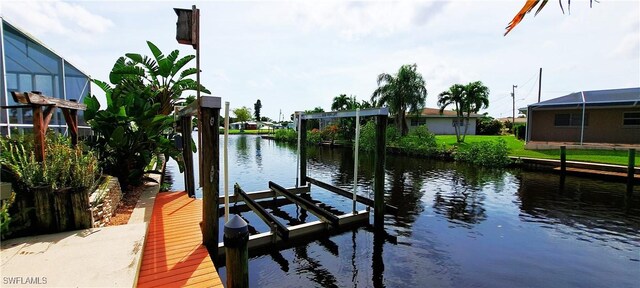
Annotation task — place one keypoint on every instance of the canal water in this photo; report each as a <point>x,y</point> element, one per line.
<point>458,226</point>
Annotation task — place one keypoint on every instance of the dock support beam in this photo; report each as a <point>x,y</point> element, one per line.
<point>303,153</point>
<point>631,171</point>
<point>187,155</point>
<point>210,171</point>
<point>378,184</point>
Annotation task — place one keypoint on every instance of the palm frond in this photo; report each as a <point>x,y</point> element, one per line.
<point>180,63</point>
<point>528,6</point>
<point>187,72</point>
<point>155,50</point>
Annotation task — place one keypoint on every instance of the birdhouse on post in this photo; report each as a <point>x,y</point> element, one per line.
<point>187,26</point>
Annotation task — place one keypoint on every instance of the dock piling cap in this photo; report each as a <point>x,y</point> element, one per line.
<point>235,227</point>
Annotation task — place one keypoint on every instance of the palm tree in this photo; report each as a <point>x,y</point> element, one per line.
<point>454,96</point>
<point>162,73</point>
<point>344,102</point>
<point>476,97</point>
<point>528,7</point>
<point>401,92</point>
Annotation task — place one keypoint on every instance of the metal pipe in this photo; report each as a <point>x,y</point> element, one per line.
<point>226,161</point>
<point>298,154</point>
<point>355,160</point>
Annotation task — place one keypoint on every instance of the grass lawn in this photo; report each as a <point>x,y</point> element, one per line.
<point>516,148</point>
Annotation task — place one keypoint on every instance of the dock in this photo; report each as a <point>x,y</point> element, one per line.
<point>173,254</point>
<point>610,172</point>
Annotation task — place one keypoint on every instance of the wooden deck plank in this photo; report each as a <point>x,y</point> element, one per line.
<point>173,255</point>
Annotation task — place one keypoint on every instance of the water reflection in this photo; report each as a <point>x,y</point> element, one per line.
<point>258,143</point>
<point>588,207</point>
<point>241,148</point>
<point>462,201</point>
<point>458,226</point>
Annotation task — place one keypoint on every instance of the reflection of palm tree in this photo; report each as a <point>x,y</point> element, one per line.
<point>241,146</point>
<point>405,191</point>
<point>464,202</point>
<point>319,274</point>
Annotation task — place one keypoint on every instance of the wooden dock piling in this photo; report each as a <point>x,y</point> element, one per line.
<point>563,159</point>
<point>236,239</point>
<point>210,113</point>
<point>631,171</point>
<point>189,186</point>
<point>378,184</point>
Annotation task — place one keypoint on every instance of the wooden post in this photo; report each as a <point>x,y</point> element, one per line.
<point>563,159</point>
<point>71,117</point>
<point>211,176</point>
<point>187,155</point>
<point>236,238</point>
<point>303,152</point>
<point>378,184</point>
<point>38,133</point>
<point>631,170</point>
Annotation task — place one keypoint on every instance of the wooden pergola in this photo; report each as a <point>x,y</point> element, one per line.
<point>43,108</point>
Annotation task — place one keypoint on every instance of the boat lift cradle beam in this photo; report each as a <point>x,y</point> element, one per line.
<point>364,200</point>
<point>273,223</point>
<point>326,216</point>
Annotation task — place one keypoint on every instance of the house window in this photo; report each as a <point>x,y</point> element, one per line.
<point>631,119</point>
<point>570,119</point>
<point>418,121</point>
<point>456,122</point>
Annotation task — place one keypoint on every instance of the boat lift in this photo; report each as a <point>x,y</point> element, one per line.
<point>329,221</point>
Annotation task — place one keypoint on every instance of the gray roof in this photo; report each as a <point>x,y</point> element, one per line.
<point>611,97</point>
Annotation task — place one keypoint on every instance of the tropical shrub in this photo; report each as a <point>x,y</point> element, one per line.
<point>129,131</point>
<point>488,126</point>
<point>314,137</point>
<point>520,131</point>
<point>135,124</point>
<point>419,141</point>
<point>65,166</point>
<point>164,75</point>
<point>329,133</point>
<point>368,137</point>
<point>286,135</point>
<point>487,153</point>
<point>5,218</point>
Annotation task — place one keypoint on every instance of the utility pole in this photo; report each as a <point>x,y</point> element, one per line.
<point>540,85</point>
<point>513,95</point>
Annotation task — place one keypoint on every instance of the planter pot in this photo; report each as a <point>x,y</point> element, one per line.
<point>45,220</point>
<point>22,212</point>
<point>62,209</point>
<point>79,201</point>
<point>72,209</point>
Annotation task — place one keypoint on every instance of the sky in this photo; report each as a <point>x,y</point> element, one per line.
<point>297,55</point>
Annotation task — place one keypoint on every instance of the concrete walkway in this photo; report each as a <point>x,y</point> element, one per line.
<point>96,257</point>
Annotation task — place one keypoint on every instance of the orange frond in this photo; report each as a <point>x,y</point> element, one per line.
<point>528,6</point>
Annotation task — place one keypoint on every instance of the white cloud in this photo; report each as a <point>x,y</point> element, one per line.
<point>357,19</point>
<point>58,17</point>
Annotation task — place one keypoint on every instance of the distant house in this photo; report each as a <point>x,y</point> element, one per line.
<point>518,120</point>
<point>601,116</point>
<point>442,124</point>
<point>251,125</point>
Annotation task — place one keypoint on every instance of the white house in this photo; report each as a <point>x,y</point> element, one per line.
<point>441,123</point>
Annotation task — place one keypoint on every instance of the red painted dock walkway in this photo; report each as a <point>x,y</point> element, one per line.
<point>173,254</point>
